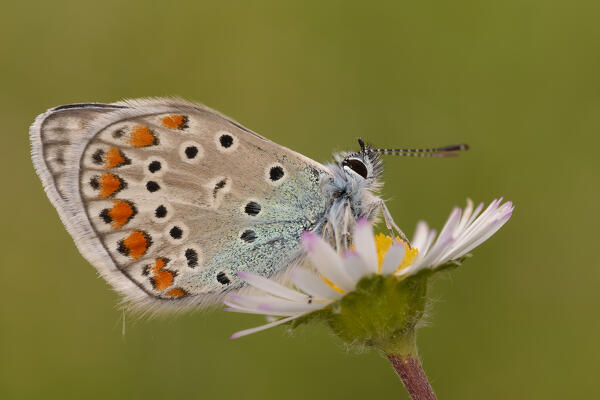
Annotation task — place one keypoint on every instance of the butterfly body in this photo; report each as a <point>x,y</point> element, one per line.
<point>170,199</point>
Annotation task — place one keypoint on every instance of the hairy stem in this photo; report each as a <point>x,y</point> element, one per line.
<point>409,369</point>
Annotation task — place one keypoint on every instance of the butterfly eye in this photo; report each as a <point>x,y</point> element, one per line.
<point>357,166</point>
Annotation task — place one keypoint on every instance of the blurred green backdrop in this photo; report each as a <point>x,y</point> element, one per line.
<point>518,80</point>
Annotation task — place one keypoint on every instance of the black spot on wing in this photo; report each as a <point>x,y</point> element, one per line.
<point>154,166</point>
<point>160,212</point>
<point>94,182</point>
<point>118,133</point>
<point>191,152</point>
<point>152,186</point>
<point>248,236</point>
<point>252,208</point>
<point>276,173</point>
<point>176,232</point>
<point>226,141</point>
<point>98,157</point>
<point>223,279</point>
<point>192,258</point>
<point>219,185</point>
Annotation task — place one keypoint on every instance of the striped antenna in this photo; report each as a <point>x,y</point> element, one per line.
<point>446,151</point>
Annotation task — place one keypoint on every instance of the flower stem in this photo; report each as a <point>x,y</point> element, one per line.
<point>409,369</point>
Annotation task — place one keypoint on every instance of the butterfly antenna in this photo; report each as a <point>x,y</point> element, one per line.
<point>361,144</point>
<point>446,151</point>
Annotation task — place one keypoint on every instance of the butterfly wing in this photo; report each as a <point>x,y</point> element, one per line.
<point>170,199</point>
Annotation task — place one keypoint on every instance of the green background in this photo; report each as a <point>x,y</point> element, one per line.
<point>518,80</point>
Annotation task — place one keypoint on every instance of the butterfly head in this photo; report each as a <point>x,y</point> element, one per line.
<point>365,163</point>
<point>362,169</point>
<point>354,174</point>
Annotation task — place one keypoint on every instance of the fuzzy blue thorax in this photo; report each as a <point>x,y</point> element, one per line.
<point>352,187</point>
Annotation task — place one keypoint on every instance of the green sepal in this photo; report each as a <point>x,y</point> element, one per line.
<point>381,312</point>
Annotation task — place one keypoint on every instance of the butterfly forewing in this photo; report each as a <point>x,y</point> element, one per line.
<point>170,199</point>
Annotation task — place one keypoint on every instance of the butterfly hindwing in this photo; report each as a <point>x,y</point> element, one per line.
<point>170,199</point>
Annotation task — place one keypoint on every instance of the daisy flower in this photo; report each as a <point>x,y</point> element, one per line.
<point>374,295</point>
<point>342,280</point>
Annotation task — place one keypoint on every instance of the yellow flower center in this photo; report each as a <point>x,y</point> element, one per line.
<point>383,244</point>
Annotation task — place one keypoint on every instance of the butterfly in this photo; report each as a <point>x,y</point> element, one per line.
<point>170,199</point>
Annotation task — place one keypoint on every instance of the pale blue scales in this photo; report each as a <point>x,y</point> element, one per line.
<point>295,206</point>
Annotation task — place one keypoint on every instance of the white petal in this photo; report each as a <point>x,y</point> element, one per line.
<point>364,242</point>
<point>475,214</point>
<point>420,236</point>
<point>479,226</point>
<point>483,218</point>
<point>326,261</point>
<point>393,258</point>
<point>238,309</point>
<point>429,242</point>
<point>289,307</point>
<point>268,304</point>
<point>247,302</point>
<point>313,285</point>
<point>484,233</point>
<point>451,225</point>
<point>468,233</point>
<point>419,264</point>
<point>271,287</point>
<point>466,216</point>
<point>266,326</point>
<point>355,266</point>
<point>445,238</point>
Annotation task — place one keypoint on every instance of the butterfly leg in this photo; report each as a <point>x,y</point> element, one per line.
<point>346,238</point>
<point>390,224</point>
<point>328,233</point>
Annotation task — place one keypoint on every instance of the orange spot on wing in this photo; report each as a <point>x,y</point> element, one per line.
<point>141,136</point>
<point>159,264</point>
<point>121,213</point>
<point>114,158</point>
<point>175,121</point>
<point>109,185</point>
<point>137,243</point>
<point>162,280</point>
<point>176,293</point>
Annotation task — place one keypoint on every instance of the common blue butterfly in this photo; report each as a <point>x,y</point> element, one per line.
<point>170,199</point>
